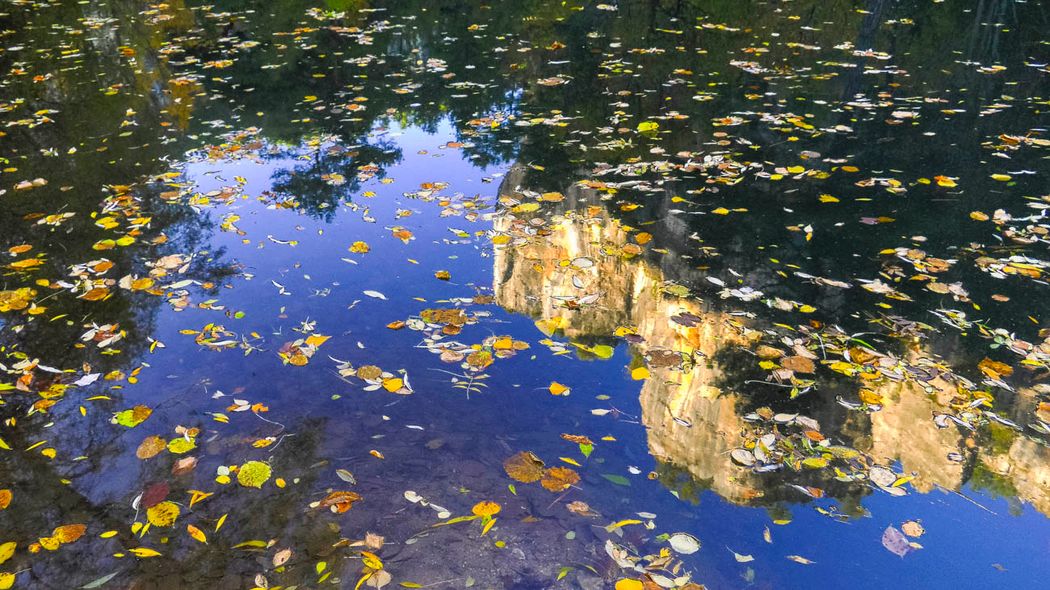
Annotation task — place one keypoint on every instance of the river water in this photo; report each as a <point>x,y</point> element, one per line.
<point>453,294</point>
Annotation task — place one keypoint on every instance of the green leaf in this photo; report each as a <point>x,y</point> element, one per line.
<point>617,479</point>
<point>132,417</point>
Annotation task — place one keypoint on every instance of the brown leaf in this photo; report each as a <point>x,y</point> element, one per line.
<point>525,467</point>
<point>995,369</point>
<point>151,447</point>
<point>578,439</point>
<point>68,533</point>
<point>340,502</point>
<point>912,529</point>
<point>558,479</point>
<point>798,364</point>
<point>184,466</point>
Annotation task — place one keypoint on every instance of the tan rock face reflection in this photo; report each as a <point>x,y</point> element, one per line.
<point>694,416</point>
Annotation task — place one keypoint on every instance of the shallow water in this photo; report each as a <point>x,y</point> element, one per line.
<point>762,278</point>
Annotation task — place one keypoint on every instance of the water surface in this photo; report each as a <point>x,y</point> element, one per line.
<point>524,294</point>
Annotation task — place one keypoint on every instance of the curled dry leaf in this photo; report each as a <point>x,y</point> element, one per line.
<point>374,541</point>
<point>340,502</point>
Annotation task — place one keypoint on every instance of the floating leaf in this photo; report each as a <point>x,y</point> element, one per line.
<point>684,543</point>
<point>196,533</point>
<point>163,514</point>
<point>181,445</point>
<point>99,582</point>
<point>7,550</point>
<point>253,474</point>
<point>281,557</point>
<point>132,417</point>
<point>913,529</point>
<point>485,508</point>
<point>150,447</point>
<point>524,467</point>
<point>339,502</point>
<point>69,533</point>
<point>895,542</point>
<point>558,479</point>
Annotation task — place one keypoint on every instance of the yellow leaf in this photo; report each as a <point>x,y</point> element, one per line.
<point>393,384</point>
<point>488,525</point>
<point>558,389</point>
<point>144,552</point>
<point>196,533</point>
<point>181,445</point>
<point>68,533</point>
<point>6,580</point>
<point>253,474</point>
<point>163,514</point>
<point>7,550</point>
<point>197,496</point>
<point>815,462</point>
<point>640,373</point>
<point>371,560</point>
<point>486,508</point>
<point>629,584</point>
